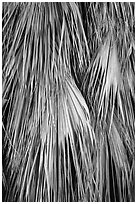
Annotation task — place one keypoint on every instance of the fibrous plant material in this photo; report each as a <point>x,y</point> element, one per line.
<point>68,101</point>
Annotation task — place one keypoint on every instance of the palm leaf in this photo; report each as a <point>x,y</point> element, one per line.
<point>109,88</point>
<point>68,101</point>
<point>48,117</point>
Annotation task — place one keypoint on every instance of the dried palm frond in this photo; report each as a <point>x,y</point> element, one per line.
<point>68,101</point>
<point>110,91</point>
<point>48,119</point>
